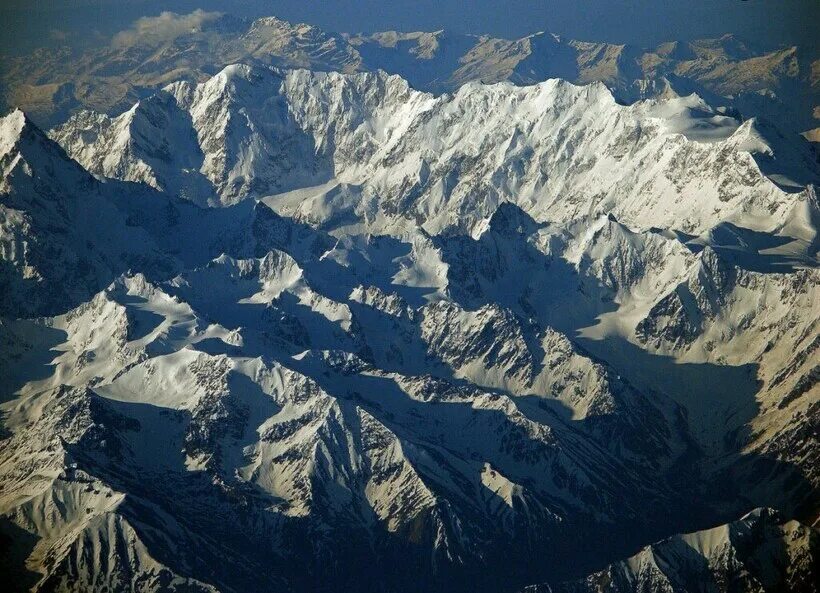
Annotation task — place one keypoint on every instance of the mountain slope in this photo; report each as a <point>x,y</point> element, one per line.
<point>557,150</point>
<point>759,552</point>
<point>53,249</point>
<point>317,331</point>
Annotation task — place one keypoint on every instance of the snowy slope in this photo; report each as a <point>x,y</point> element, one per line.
<point>557,150</point>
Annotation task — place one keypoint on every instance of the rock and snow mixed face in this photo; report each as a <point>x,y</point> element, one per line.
<point>557,150</point>
<point>297,320</point>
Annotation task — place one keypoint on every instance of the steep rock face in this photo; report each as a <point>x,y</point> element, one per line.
<point>722,302</point>
<point>108,553</point>
<point>153,143</point>
<point>314,454</point>
<point>486,345</point>
<point>730,315</point>
<point>44,492</point>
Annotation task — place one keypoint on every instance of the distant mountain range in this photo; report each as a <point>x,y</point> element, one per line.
<point>782,85</point>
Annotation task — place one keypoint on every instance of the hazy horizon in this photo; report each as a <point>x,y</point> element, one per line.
<point>769,23</point>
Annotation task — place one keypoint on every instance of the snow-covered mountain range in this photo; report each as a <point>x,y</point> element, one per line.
<point>288,330</point>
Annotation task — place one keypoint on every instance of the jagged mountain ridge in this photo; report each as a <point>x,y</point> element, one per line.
<point>780,84</point>
<point>318,366</point>
<point>557,150</point>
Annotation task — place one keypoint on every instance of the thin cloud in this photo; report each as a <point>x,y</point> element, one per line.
<point>166,26</point>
